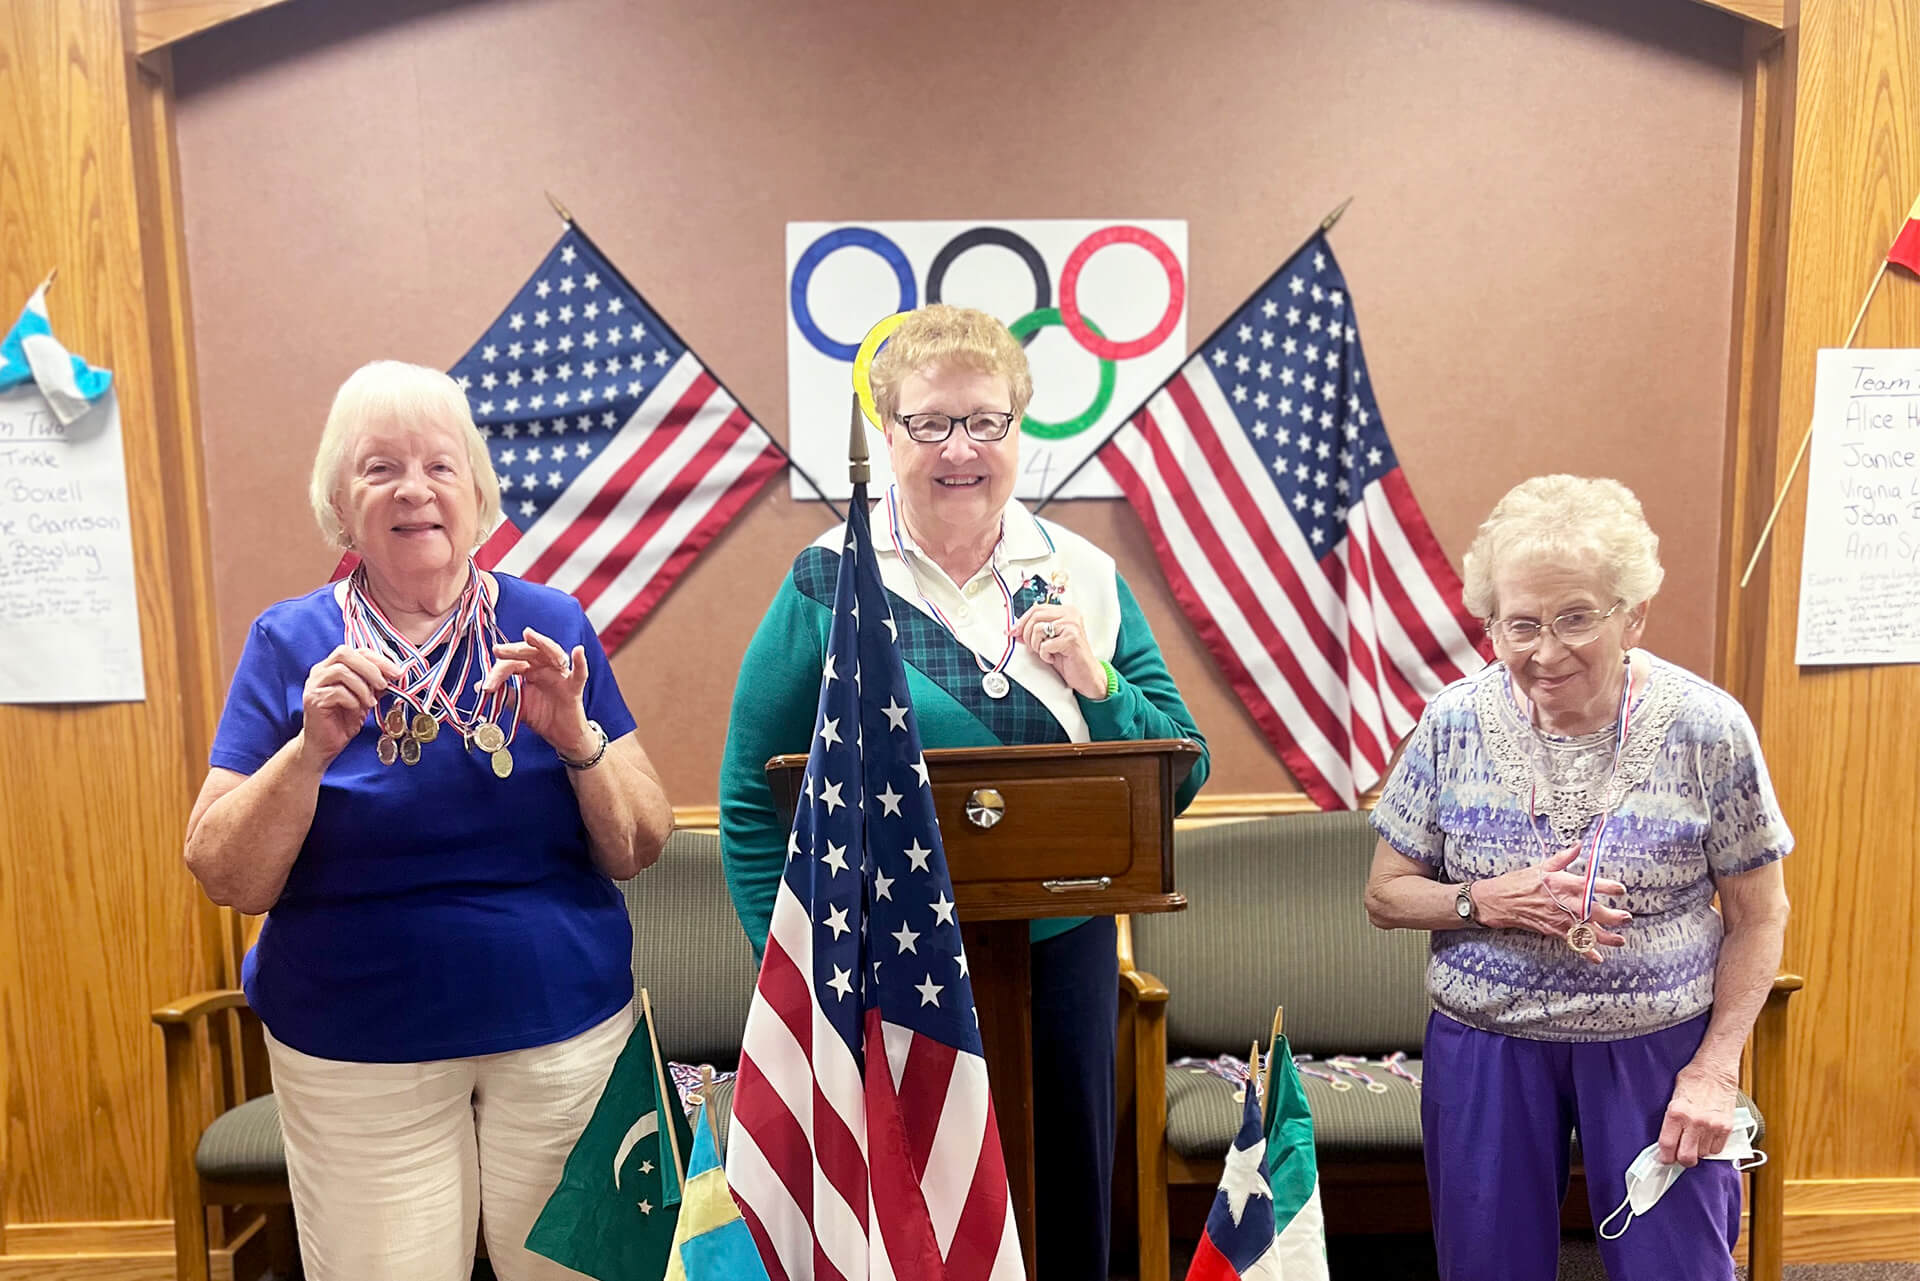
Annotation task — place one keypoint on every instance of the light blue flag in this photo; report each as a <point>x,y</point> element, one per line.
<point>711,1241</point>
<point>30,353</point>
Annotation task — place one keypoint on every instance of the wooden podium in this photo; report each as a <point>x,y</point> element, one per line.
<point>1081,829</point>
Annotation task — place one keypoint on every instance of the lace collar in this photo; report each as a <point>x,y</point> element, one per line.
<point>1571,776</point>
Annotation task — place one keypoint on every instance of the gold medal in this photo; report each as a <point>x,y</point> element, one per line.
<point>425,728</point>
<point>410,750</point>
<point>502,760</point>
<point>388,751</point>
<point>488,738</point>
<point>1582,937</point>
<point>395,722</point>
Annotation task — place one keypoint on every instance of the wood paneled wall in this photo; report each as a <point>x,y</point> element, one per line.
<point>1832,164</point>
<point>99,922</point>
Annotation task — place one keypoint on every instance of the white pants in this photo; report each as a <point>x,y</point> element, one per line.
<point>392,1164</point>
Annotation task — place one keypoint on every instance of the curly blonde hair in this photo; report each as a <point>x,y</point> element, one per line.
<point>395,391</point>
<point>1586,522</point>
<point>938,335</point>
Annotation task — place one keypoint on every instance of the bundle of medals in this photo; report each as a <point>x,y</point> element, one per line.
<point>421,700</point>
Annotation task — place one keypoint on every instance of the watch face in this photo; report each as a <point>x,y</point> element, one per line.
<point>1463,907</point>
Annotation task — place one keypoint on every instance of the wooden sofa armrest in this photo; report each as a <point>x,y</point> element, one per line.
<point>1142,1097</point>
<point>190,1009</point>
<point>1769,1082</point>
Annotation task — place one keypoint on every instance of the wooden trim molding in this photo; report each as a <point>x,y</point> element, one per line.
<point>1764,13</point>
<point>1205,809</point>
<point>158,23</point>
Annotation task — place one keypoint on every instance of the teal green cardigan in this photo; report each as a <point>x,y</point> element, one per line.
<point>773,713</point>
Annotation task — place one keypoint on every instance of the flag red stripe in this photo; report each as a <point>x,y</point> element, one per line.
<point>602,504</point>
<point>837,1153</point>
<point>1439,570</point>
<point>923,1093</point>
<point>1386,581</point>
<point>899,1203</point>
<point>718,517</point>
<point>1228,569</point>
<point>1298,763</point>
<point>983,1220</point>
<point>1906,247</point>
<point>1360,550</point>
<point>769,1258</point>
<point>1230,481</point>
<point>665,503</point>
<point>1209,1264</point>
<point>777,1132</point>
<point>1366,656</point>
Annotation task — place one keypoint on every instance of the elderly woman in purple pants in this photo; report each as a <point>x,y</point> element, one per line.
<point>1562,821</point>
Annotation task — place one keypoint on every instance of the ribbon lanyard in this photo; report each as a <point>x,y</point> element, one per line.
<point>1606,814</point>
<point>900,545</point>
<point>421,681</point>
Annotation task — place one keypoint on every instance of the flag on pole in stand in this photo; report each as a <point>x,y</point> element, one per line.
<point>711,1241</point>
<point>863,1144</point>
<point>620,455</point>
<point>612,1216</point>
<point>1906,245</point>
<point>1293,1170</point>
<point>1238,1243</point>
<point>1290,536</point>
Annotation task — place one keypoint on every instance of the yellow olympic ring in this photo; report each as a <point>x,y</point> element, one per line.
<point>863,366</point>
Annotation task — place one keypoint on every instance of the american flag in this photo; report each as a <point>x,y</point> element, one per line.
<point>1290,535</point>
<point>620,455</point>
<point>863,1144</point>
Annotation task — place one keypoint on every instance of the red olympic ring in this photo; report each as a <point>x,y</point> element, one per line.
<point>1076,324</point>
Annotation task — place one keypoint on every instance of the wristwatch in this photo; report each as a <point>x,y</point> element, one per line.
<point>1463,905</point>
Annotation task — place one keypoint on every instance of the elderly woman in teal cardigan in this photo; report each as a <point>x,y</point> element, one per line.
<point>1014,630</point>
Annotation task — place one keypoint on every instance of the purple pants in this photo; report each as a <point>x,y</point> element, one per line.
<point>1497,1112</point>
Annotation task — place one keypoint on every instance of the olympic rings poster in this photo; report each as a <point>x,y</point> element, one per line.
<point>1101,305</point>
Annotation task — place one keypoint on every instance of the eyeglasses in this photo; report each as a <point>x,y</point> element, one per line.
<point>1575,627</point>
<point>931,429</point>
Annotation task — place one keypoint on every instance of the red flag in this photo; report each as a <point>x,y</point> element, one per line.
<point>1906,245</point>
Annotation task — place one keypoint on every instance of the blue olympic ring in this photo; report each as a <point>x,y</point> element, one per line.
<point>843,238</point>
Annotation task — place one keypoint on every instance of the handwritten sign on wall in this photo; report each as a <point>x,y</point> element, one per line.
<point>69,624</point>
<point>1860,568</point>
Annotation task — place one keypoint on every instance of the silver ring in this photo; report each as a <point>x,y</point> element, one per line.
<point>1046,630</point>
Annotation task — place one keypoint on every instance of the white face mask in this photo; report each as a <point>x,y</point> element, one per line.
<point>1649,1177</point>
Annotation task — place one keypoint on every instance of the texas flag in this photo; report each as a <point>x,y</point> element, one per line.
<point>1238,1244</point>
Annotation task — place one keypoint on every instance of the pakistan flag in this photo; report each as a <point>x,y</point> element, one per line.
<point>612,1217</point>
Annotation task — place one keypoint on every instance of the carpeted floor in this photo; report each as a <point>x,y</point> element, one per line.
<point>1411,1259</point>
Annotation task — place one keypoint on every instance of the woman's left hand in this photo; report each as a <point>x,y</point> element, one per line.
<point>1058,634</point>
<point>1699,1116</point>
<point>551,687</point>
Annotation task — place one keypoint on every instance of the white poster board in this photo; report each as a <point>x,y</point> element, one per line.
<point>69,622</point>
<point>1119,285</point>
<point>1860,568</point>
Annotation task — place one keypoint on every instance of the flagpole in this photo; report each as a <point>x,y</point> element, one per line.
<point>1807,439</point>
<point>660,1075</point>
<point>857,470</point>
<point>1326,225</point>
<point>568,218</point>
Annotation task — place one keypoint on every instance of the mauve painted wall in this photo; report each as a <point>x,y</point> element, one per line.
<point>1540,246</point>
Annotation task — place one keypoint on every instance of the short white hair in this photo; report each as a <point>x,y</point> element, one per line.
<point>1575,522</point>
<point>412,396</point>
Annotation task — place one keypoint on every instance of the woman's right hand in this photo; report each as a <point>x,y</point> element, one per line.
<point>1523,899</point>
<point>341,689</point>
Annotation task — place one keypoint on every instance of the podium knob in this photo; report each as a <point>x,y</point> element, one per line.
<point>985,807</point>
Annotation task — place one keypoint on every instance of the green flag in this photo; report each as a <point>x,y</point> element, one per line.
<point>612,1217</point>
<point>1300,1237</point>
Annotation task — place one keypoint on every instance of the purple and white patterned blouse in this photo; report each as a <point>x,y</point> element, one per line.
<point>1694,803</point>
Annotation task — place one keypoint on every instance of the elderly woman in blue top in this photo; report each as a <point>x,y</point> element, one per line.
<point>444,969</point>
<point>990,661</point>
<point>1562,821</point>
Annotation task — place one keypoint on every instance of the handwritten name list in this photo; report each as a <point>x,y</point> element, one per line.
<point>1860,568</point>
<point>69,623</point>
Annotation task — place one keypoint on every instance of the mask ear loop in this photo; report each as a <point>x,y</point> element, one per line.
<point>1759,1159</point>
<point>1600,1230</point>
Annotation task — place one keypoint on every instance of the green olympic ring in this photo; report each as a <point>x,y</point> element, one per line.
<point>1040,319</point>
